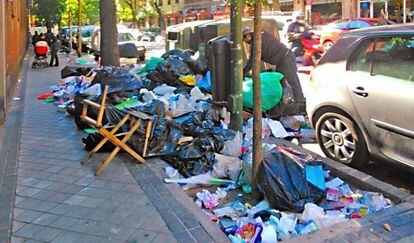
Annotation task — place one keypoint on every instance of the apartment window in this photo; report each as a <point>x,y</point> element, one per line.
<point>169,2</point>
<point>177,1</point>
<point>160,2</point>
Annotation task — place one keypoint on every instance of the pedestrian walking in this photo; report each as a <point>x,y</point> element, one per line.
<point>54,47</point>
<point>276,53</point>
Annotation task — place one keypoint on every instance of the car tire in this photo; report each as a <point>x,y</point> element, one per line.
<point>327,44</point>
<point>341,139</point>
<point>142,58</point>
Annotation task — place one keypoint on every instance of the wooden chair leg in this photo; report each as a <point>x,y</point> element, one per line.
<point>147,135</point>
<point>107,161</point>
<point>122,144</point>
<point>102,143</point>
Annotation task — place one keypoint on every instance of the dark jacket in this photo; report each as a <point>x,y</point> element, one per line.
<point>273,51</point>
<point>35,39</point>
<point>52,41</point>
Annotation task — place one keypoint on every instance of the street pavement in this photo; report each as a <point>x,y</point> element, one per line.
<point>59,200</point>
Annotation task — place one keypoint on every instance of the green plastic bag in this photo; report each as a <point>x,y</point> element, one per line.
<point>49,100</point>
<point>129,102</point>
<point>151,64</point>
<point>272,90</point>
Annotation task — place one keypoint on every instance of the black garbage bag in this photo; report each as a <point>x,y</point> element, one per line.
<point>68,71</point>
<point>123,83</point>
<point>128,50</point>
<point>83,71</point>
<point>226,134</point>
<point>116,81</point>
<point>154,107</point>
<point>75,110</point>
<point>174,66</point>
<point>282,180</point>
<point>195,157</point>
<point>199,66</point>
<point>178,53</point>
<point>196,123</point>
<point>101,74</point>
<point>94,139</point>
<point>164,136</point>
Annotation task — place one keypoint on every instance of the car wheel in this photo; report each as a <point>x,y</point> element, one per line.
<point>142,58</point>
<point>341,139</point>
<point>327,44</point>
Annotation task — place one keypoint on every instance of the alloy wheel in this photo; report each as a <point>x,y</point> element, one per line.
<point>337,139</point>
<point>327,45</point>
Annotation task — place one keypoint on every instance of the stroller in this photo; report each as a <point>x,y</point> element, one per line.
<point>40,59</point>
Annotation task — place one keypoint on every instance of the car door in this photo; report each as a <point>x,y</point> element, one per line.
<point>381,85</point>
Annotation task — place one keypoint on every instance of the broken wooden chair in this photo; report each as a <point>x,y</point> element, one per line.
<point>133,120</point>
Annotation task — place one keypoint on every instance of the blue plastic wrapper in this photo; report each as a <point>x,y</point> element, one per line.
<point>205,82</point>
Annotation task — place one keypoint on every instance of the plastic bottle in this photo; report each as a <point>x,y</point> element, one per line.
<point>307,227</point>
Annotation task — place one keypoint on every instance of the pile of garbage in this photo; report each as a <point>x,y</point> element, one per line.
<point>191,134</point>
<point>300,197</point>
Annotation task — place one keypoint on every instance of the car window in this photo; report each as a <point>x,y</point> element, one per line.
<point>394,57</point>
<point>357,24</point>
<point>87,32</point>
<point>341,24</point>
<point>125,37</point>
<point>379,22</point>
<point>362,57</point>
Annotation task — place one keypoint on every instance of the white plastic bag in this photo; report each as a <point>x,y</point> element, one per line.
<point>233,147</point>
<point>227,166</point>
<point>93,90</point>
<point>181,106</point>
<point>197,94</point>
<point>164,89</point>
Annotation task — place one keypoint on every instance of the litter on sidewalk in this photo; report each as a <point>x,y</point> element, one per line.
<point>214,163</point>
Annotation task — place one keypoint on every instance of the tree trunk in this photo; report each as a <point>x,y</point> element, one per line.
<point>161,20</point>
<point>257,93</point>
<point>109,33</point>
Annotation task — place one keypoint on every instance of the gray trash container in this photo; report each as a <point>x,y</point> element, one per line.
<point>218,55</point>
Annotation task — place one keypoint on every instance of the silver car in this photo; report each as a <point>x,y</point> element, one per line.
<point>363,102</point>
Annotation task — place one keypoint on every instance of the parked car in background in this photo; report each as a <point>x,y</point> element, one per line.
<point>65,34</point>
<point>136,33</point>
<point>150,34</point>
<point>124,37</point>
<point>364,100</point>
<point>331,33</point>
<point>87,32</point>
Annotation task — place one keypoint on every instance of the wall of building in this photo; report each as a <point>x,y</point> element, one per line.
<point>16,40</point>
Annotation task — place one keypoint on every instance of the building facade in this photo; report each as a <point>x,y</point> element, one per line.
<point>324,11</point>
<point>13,45</point>
<point>179,11</point>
